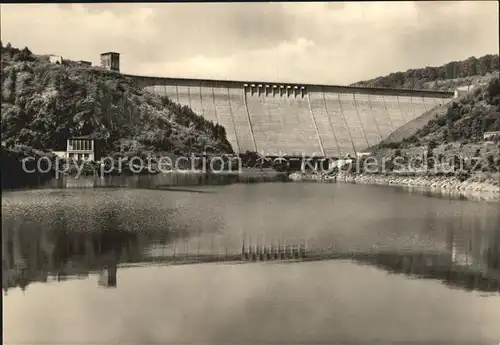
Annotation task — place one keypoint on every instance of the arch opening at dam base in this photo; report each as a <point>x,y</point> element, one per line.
<point>277,119</point>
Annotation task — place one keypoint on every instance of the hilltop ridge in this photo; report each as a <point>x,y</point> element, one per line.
<point>472,71</point>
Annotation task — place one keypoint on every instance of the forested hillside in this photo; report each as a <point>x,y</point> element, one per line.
<point>44,103</point>
<point>446,78</point>
<point>468,118</point>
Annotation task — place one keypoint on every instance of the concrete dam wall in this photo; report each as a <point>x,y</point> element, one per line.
<point>320,120</point>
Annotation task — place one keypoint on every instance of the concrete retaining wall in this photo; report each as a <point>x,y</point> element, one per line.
<point>275,119</point>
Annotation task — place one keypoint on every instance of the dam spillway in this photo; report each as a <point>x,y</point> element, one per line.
<point>296,119</point>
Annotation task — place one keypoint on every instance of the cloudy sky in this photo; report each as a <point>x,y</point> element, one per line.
<point>336,43</point>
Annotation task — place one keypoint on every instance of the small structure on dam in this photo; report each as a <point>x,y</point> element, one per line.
<point>84,63</point>
<point>111,61</point>
<point>56,59</point>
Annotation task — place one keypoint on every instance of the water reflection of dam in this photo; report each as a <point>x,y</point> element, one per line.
<point>468,262</point>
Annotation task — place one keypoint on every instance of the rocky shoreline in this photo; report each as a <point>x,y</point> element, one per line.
<point>479,183</point>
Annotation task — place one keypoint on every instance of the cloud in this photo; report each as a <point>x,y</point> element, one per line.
<point>259,64</point>
<point>303,42</point>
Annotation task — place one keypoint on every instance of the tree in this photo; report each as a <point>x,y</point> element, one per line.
<point>389,166</point>
<point>491,163</point>
<point>430,159</point>
<point>432,145</point>
<point>493,91</point>
<point>452,114</point>
<point>25,54</point>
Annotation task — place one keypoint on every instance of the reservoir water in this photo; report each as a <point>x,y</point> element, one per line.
<point>102,265</point>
